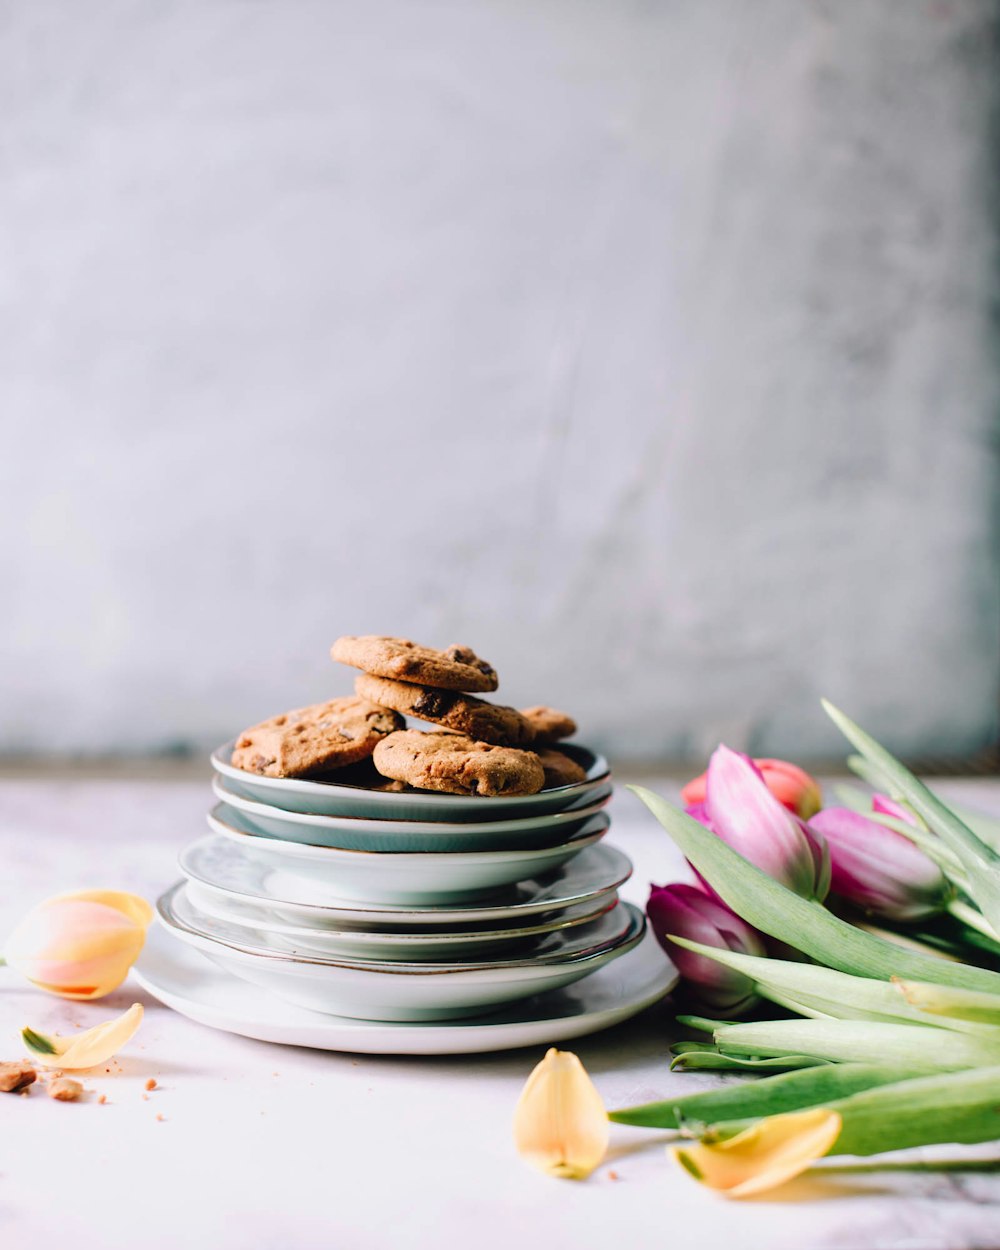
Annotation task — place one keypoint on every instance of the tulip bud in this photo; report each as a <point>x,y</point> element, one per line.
<point>80,945</point>
<point>879,869</point>
<point>687,912</point>
<point>560,1124</point>
<point>748,817</point>
<point>792,786</point>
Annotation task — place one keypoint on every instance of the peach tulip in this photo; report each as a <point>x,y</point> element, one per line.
<point>560,1125</point>
<point>792,786</point>
<point>80,945</point>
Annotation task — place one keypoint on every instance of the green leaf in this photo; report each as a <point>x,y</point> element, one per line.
<point>801,923</point>
<point>771,1095</point>
<point>37,1042</point>
<point>919,1048</point>
<point>979,860</point>
<point>947,1002</point>
<point>924,1111</point>
<point>711,1059</point>
<point>809,989</point>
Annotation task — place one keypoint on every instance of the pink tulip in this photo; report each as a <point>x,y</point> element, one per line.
<point>685,911</point>
<point>745,814</point>
<point>792,786</point>
<point>877,868</point>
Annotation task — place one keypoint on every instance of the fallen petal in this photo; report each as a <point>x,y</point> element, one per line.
<point>560,1124</point>
<point>84,1050</point>
<point>762,1157</point>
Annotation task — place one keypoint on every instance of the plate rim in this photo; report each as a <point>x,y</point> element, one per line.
<point>476,1035</point>
<point>219,759</point>
<point>429,828</point>
<point>444,913</point>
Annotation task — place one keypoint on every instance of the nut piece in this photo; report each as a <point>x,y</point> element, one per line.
<point>65,1089</point>
<point>16,1075</point>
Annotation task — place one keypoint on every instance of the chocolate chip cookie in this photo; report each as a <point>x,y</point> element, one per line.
<point>464,713</point>
<point>457,764</point>
<point>548,724</point>
<point>314,739</point>
<point>398,659</point>
<point>560,770</point>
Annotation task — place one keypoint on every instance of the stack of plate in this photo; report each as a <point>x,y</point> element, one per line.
<point>407,906</point>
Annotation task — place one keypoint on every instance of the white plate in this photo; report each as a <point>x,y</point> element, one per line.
<point>428,944</point>
<point>192,985</point>
<point>594,873</point>
<point>328,798</point>
<point>412,991</point>
<point>425,878</point>
<point>357,834</point>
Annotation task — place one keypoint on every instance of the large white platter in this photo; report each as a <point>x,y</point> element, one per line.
<point>328,798</point>
<point>189,983</point>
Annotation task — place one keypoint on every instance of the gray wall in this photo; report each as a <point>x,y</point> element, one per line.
<point>646,347</point>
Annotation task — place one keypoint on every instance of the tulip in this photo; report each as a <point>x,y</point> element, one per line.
<point>878,869</point>
<point>684,911</point>
<point>791,786</point>
<point>748,818</point>
<point>80,945</point>
<point>560,1124</point>
<point>765,1155</point>
<point>84,1050</point>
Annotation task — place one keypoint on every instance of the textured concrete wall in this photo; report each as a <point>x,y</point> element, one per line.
<point>644,346</point>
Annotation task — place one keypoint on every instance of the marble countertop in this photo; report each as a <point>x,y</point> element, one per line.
<point>252,1146</point>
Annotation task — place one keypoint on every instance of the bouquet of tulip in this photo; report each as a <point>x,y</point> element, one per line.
<point>889,991</point>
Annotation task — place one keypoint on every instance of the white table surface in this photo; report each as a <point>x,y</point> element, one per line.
<point>264,1147</point>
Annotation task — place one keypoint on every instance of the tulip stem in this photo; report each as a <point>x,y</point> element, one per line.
<point>973,918</point>
<point>3,962</point>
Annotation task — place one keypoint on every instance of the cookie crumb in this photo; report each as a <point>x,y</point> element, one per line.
<point>103,1099</point>
<point>151,1083</point>
<point>65,1089</point>
<point>160,1118</point>
<point>16,1075</point>
<point>613,1175</point>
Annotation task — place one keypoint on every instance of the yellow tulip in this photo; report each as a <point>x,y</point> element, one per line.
<point>560,1124</point>
<point>80,945</point>
<point>768,1154</point>
<point>84,1050</point>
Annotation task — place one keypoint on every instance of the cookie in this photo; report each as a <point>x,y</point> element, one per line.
<point>456,764</point>
<point>464,713</point>
<point>398,659</point>
<point>314,739</point>
<point>548,724</point>
<point>560,770</point>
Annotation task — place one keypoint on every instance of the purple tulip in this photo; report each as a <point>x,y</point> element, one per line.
<point>879,869</point>
<point>685,911</point>
<point>745,814</point>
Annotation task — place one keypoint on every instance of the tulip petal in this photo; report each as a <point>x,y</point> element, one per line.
<point>747,816</point>
<point>84,1050</point>
<point>769,1153</point>
<point>132,906</point>
<point>560,1124</point>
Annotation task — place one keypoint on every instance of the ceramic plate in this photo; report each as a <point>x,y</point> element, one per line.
<point>425,878</point>
<point>412,991</point>
<point>327,798</point>
<point>216,864</point>
<point>371,944</point>
<point>192,985</point>
<point>356,834</point>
